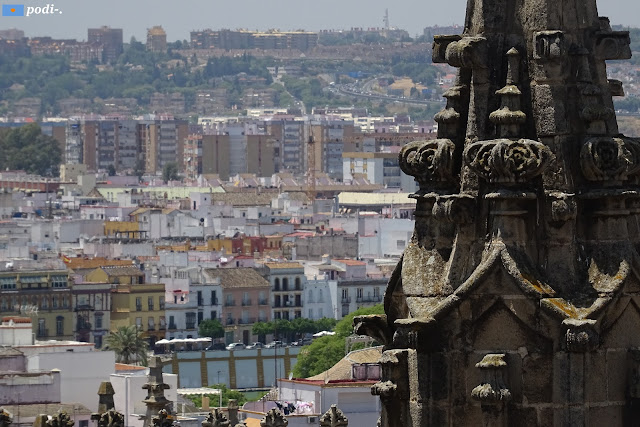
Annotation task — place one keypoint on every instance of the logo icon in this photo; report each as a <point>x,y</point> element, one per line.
<point>12,10</point>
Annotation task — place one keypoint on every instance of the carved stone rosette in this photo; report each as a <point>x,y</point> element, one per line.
<point>610,159</point>
<point>428,161</point>
<point>507,160</point>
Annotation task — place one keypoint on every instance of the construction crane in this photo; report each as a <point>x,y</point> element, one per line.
<point>311,169</point>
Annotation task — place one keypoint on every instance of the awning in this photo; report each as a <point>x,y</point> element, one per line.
<point>199,390</point>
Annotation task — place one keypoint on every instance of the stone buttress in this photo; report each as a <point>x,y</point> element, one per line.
<point>517,300</point>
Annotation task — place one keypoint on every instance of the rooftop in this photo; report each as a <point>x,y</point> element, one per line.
<point>238,278</point>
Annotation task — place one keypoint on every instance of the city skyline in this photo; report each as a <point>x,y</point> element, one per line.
<point>411,15</point>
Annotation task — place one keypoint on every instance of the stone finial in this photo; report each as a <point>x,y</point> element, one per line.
<point>41,421</point>
<point>580,335</point>
<point>163,419</point>
<point>5,418</point>
<point>60,419</point>
<point>105,401</point>
<point>274,418</point>
<point>216,418</point>
<point>232,410</point>
<point>334,417</point>
<point>110,418</point>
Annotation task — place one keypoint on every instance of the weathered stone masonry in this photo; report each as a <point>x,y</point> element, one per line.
<point>517,301</point>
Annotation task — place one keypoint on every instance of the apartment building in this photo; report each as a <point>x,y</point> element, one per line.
<point>110,39</point>
<point>156,39</point>
<point>245,300</point>
<point>45,295</point>
<point>287,281</point>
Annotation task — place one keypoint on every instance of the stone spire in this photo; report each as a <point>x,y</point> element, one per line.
<point>522,278</point>
<point>105,393</point>
<point>156,400</point>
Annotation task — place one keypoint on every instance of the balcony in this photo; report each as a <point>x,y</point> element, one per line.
<point>161,306</point>
<point>151,308</point>
<point>83,307</point>
<point>162,327</point>
<point>229,303</point>
<point>151,328</point>
<point>375,298</point>
<point>191,325</point>
<point>138,307</point>
<point>229,321</point>
<point>263,302</point>
<point>246,302</point>
<point>247,321</point>
<point>346,300</point>
<point>172,326</point>
<point>214,301</point>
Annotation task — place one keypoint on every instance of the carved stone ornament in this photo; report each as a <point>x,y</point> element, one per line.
<point>428,161</point>
<point>493,389</point>
<point>334,417</point>
<point>508,161</point>
<point>111,418</point>
<point>274,418</point>
<point>216,419</point>
<point>163,419</point>
<point>5,418</point>
<point>607,158</point>
<point>386,389</point>
<point>456,208</point>
<point>60,419</point>
<point>581,335</point>
<point>563,207</point>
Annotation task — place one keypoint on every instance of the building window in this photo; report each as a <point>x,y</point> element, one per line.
<point>7,282</point>
<point>44,303</point>
<point>59,325</point>
<point>276,284</point>
<point>200,317</point>
<point>214,314</point>
<point>138,303</point>
<point>262,298</point>
<point>214,298</point>
<point>42,329</point>
<point>320,314</point>
<point>98,320</point>
<point>230,301</point>
<point>58,281</point>
<point>65,302</point>
<point>376,292</point>
<point>400,244</point>
<point>320,296</point>
<point>150,303</point>
<point>4,304</point>
<point>160,303</point>
<point>310,297</point>
<point>311,313</point>
<point>191,320</point>
<point>163,323</point>
<point>285,284</point>
<point>359,293</point>
<point>54,302</point>
<point>98,341</point>
<point>298,284</point>
<point>151,323</point>
<point>261,316</point>
<point>139,323</point>
<point>200,299</point>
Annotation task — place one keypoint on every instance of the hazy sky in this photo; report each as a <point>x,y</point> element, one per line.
<point>178,17</point>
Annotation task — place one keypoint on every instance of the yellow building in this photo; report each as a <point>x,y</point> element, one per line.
<point>118,274</point>
<point>45,296</point>
<point>141,305</point>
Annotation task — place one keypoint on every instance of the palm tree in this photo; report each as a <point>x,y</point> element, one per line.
<point>128,344</point>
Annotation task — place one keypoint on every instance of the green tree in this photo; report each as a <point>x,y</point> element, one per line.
<point>170,172</point>
<point>26,148</point>
<point>324,352</point>
<point>227,394</point>
<point>128,344</point>
<point>211,328</point>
